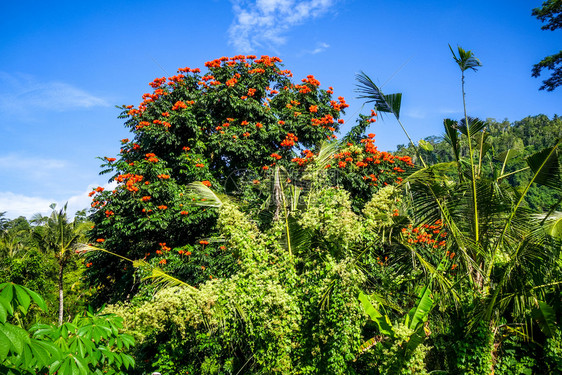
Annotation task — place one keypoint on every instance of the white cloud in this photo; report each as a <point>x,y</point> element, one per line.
<point>263,22</point>
<point>321,47</point>
<point>16,205</point>
<point>23,94</point>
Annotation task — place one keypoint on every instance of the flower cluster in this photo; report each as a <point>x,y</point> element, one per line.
<point>431,235</point>
<point>289,140</point>
<point>130,181</point>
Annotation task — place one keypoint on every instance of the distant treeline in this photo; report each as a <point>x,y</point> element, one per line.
<point>526,137</point>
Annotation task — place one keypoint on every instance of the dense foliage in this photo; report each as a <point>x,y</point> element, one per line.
<point>89,344</point>
<point>242,237</point>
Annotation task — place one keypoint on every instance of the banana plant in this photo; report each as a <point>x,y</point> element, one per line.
<point>414,321</point>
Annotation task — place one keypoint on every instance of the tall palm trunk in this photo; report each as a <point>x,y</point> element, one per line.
<point>61,294</point>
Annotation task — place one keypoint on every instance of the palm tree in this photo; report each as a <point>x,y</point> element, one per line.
<point>502,248</point>
<point>60,237</point>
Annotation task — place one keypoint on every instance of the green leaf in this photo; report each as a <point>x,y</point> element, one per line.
<point>128,361</point>
<point>35,297</point>
<point>545,316</point>
<point>3,312</point>
<point>4,345</point>
<point>23,298</point>
<point>382,322</point>
<point>80,366</point>
<point>44,352</point>
<point>7,292</point>
<point>546,167</point>
<point>507,155</point>
<point>452,136</point>
<point>419,313</point>
<point>425,145</point>
<point>17,337</point>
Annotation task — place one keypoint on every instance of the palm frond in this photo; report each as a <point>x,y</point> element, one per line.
<point>164,280</point>
<point>451,129</point>
<point>156,274</point>
<point>208,197</point>
<point>466,59</point>
<point>545,165</point>
<point>383,103</point>
<point>473,126</point>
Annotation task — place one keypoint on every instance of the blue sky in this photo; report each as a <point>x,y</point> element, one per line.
<point>64,65</point>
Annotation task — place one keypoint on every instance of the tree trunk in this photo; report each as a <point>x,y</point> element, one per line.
<point>61,296</point>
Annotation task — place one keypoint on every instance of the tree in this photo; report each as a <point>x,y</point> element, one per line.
<point>227,128</point>
<point>60,238</point>
<point>3,220</point>
<point>551,13</point>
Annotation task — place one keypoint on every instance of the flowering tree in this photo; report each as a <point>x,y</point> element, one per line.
<point>243,116</point>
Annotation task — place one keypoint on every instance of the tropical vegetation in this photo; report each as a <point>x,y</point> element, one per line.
<point>240,235</point>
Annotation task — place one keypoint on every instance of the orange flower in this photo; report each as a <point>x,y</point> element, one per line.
<point>162,207</point>
<point>206,183</point>
<point>178,105</point>
<point>100,240</point>
<point>313,108</point>
<point>163,261</point>
<point>184,213</point>
<point>203,242</point>
<point>146,198</point>
<point>259,125</point>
